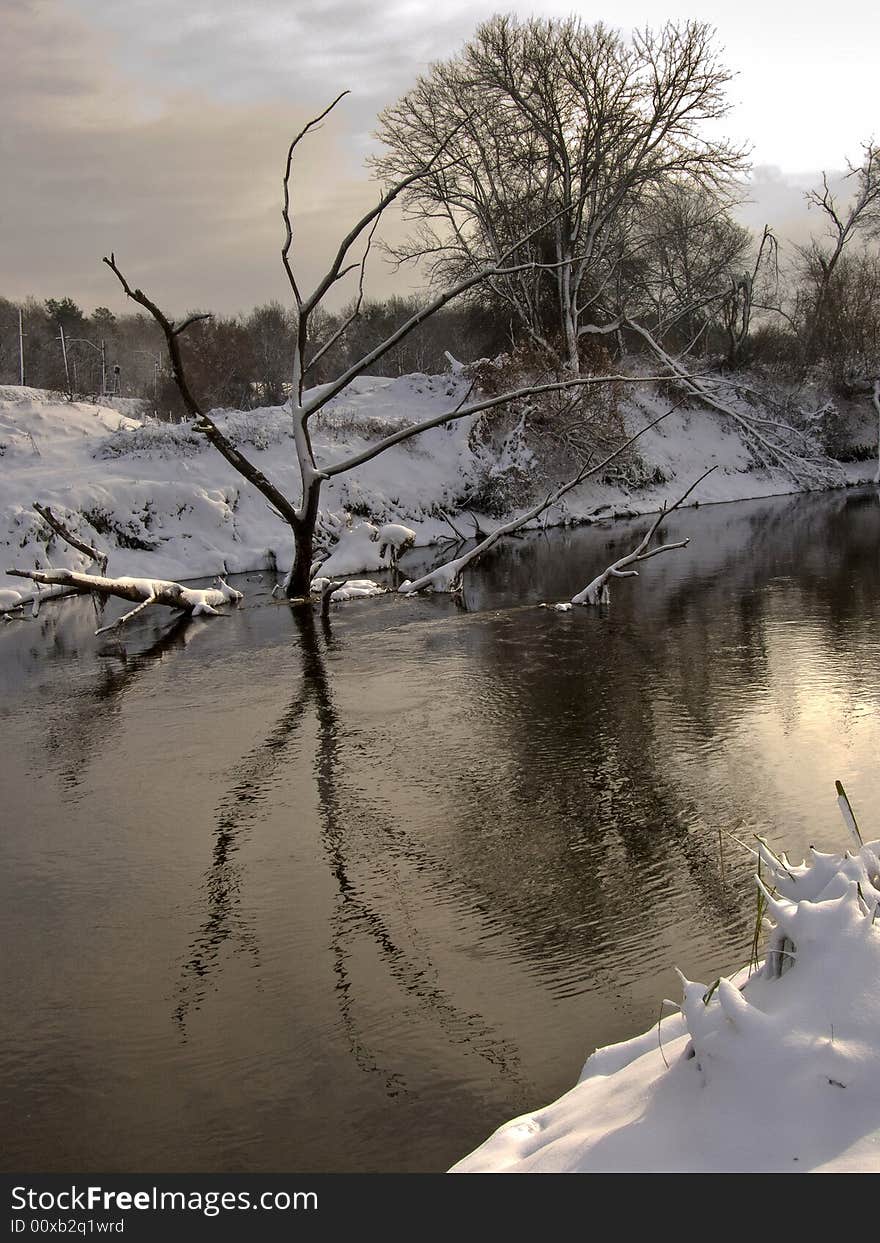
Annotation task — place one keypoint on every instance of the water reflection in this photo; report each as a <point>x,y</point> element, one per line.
<point>357,912</point>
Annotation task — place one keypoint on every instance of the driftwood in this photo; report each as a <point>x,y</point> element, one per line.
<point>141,591</point>
<point>598,591</point>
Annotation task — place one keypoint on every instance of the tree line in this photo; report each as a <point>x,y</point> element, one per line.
<point>236,362</point>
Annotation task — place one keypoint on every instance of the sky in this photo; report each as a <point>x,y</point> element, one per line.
<point>158,129</point>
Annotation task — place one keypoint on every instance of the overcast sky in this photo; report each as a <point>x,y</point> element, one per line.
<point>157,128</point>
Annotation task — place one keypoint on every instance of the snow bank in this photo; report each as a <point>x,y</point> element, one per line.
<point>164,504</point>
<point>779,1070</point>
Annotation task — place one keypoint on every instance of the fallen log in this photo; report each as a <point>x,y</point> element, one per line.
<point>141,591</point>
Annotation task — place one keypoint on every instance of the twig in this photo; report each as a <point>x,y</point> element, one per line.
<point>120,621</point>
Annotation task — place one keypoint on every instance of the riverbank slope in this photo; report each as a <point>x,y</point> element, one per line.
<point>161,502</point>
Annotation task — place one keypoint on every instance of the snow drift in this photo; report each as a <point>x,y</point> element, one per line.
<point>774,1070</point>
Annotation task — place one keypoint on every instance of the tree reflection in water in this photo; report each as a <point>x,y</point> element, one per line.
<point>357,912</point>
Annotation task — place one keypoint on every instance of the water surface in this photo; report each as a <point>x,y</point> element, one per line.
<point>280,896</point>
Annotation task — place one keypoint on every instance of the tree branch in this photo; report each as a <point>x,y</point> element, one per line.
<point>448,577</point>
<point>203,422</point>
<point>285,210</point>
<point>478,407</point>
<point>597,592</point>
<point>100,558</point>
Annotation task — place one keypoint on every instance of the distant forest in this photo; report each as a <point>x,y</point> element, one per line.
<point>237,362</point>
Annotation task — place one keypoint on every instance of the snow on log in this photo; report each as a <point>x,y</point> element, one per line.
<point>346,588</point>
<point>394,538</point>
<point>141,591</point>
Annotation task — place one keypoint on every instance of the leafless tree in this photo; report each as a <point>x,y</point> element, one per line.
<point>562,120</point>
<point>860,217</point>
<point>686,265</point>
<point>351,256</point>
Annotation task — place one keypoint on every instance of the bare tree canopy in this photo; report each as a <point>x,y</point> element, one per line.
<point>559,122</point>
<point>823,260</point>
<point>301,512</point>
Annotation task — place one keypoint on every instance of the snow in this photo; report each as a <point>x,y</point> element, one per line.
<point>164,504</point>
<point>777,1070</point>
<point>351,589</point>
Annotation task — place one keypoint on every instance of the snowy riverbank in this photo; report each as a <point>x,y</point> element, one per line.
<point>774,1071</point>
<point>161,502</point>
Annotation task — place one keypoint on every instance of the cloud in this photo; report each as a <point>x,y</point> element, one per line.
<point>188,194</point>
<point>158,129</point>
<point>301,50</point>
<point>778,198</point>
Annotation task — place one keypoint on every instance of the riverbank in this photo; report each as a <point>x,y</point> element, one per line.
<point>162,503</point>
<point>771,1070</point>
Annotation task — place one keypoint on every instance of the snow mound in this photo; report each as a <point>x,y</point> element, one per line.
<point>351,589</point>
<point>777,1070</point>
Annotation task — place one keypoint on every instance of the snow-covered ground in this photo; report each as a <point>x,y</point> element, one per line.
<point>164,504</point>
<point>778,1070</point>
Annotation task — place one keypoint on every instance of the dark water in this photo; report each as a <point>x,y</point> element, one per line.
<point>280,898</point>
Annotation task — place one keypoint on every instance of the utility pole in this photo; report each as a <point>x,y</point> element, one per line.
<point>103,369</point>
<point>66,367</point>
<point>20,349</point>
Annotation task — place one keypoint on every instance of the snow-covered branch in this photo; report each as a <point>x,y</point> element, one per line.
<point>141,591</point>
<point>99,558</point>
<point>599,590</point>
<point>203,421</point>
<point>772,448</point>
<point>478,407</point>
<point>447,577</point>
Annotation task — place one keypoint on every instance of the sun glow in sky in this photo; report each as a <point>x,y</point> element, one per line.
<point>158,129</point>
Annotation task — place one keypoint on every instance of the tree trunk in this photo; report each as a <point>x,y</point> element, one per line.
<point>569,316</point>
<point>300,581</point>
<point>877,407</point>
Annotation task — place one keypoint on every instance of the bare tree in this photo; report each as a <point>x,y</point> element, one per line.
<point>740,301</point>
<point>302,513</point>
<point>861,216</point>
<point>555,118</point>
<point>683,266</point>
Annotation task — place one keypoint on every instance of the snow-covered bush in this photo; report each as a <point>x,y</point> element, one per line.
<point>261,428</point>
<point>130,530</point>
<point>500,474</point>
<point>153,440</point>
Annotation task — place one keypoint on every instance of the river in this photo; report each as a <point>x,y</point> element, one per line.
<point>277,896</point>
